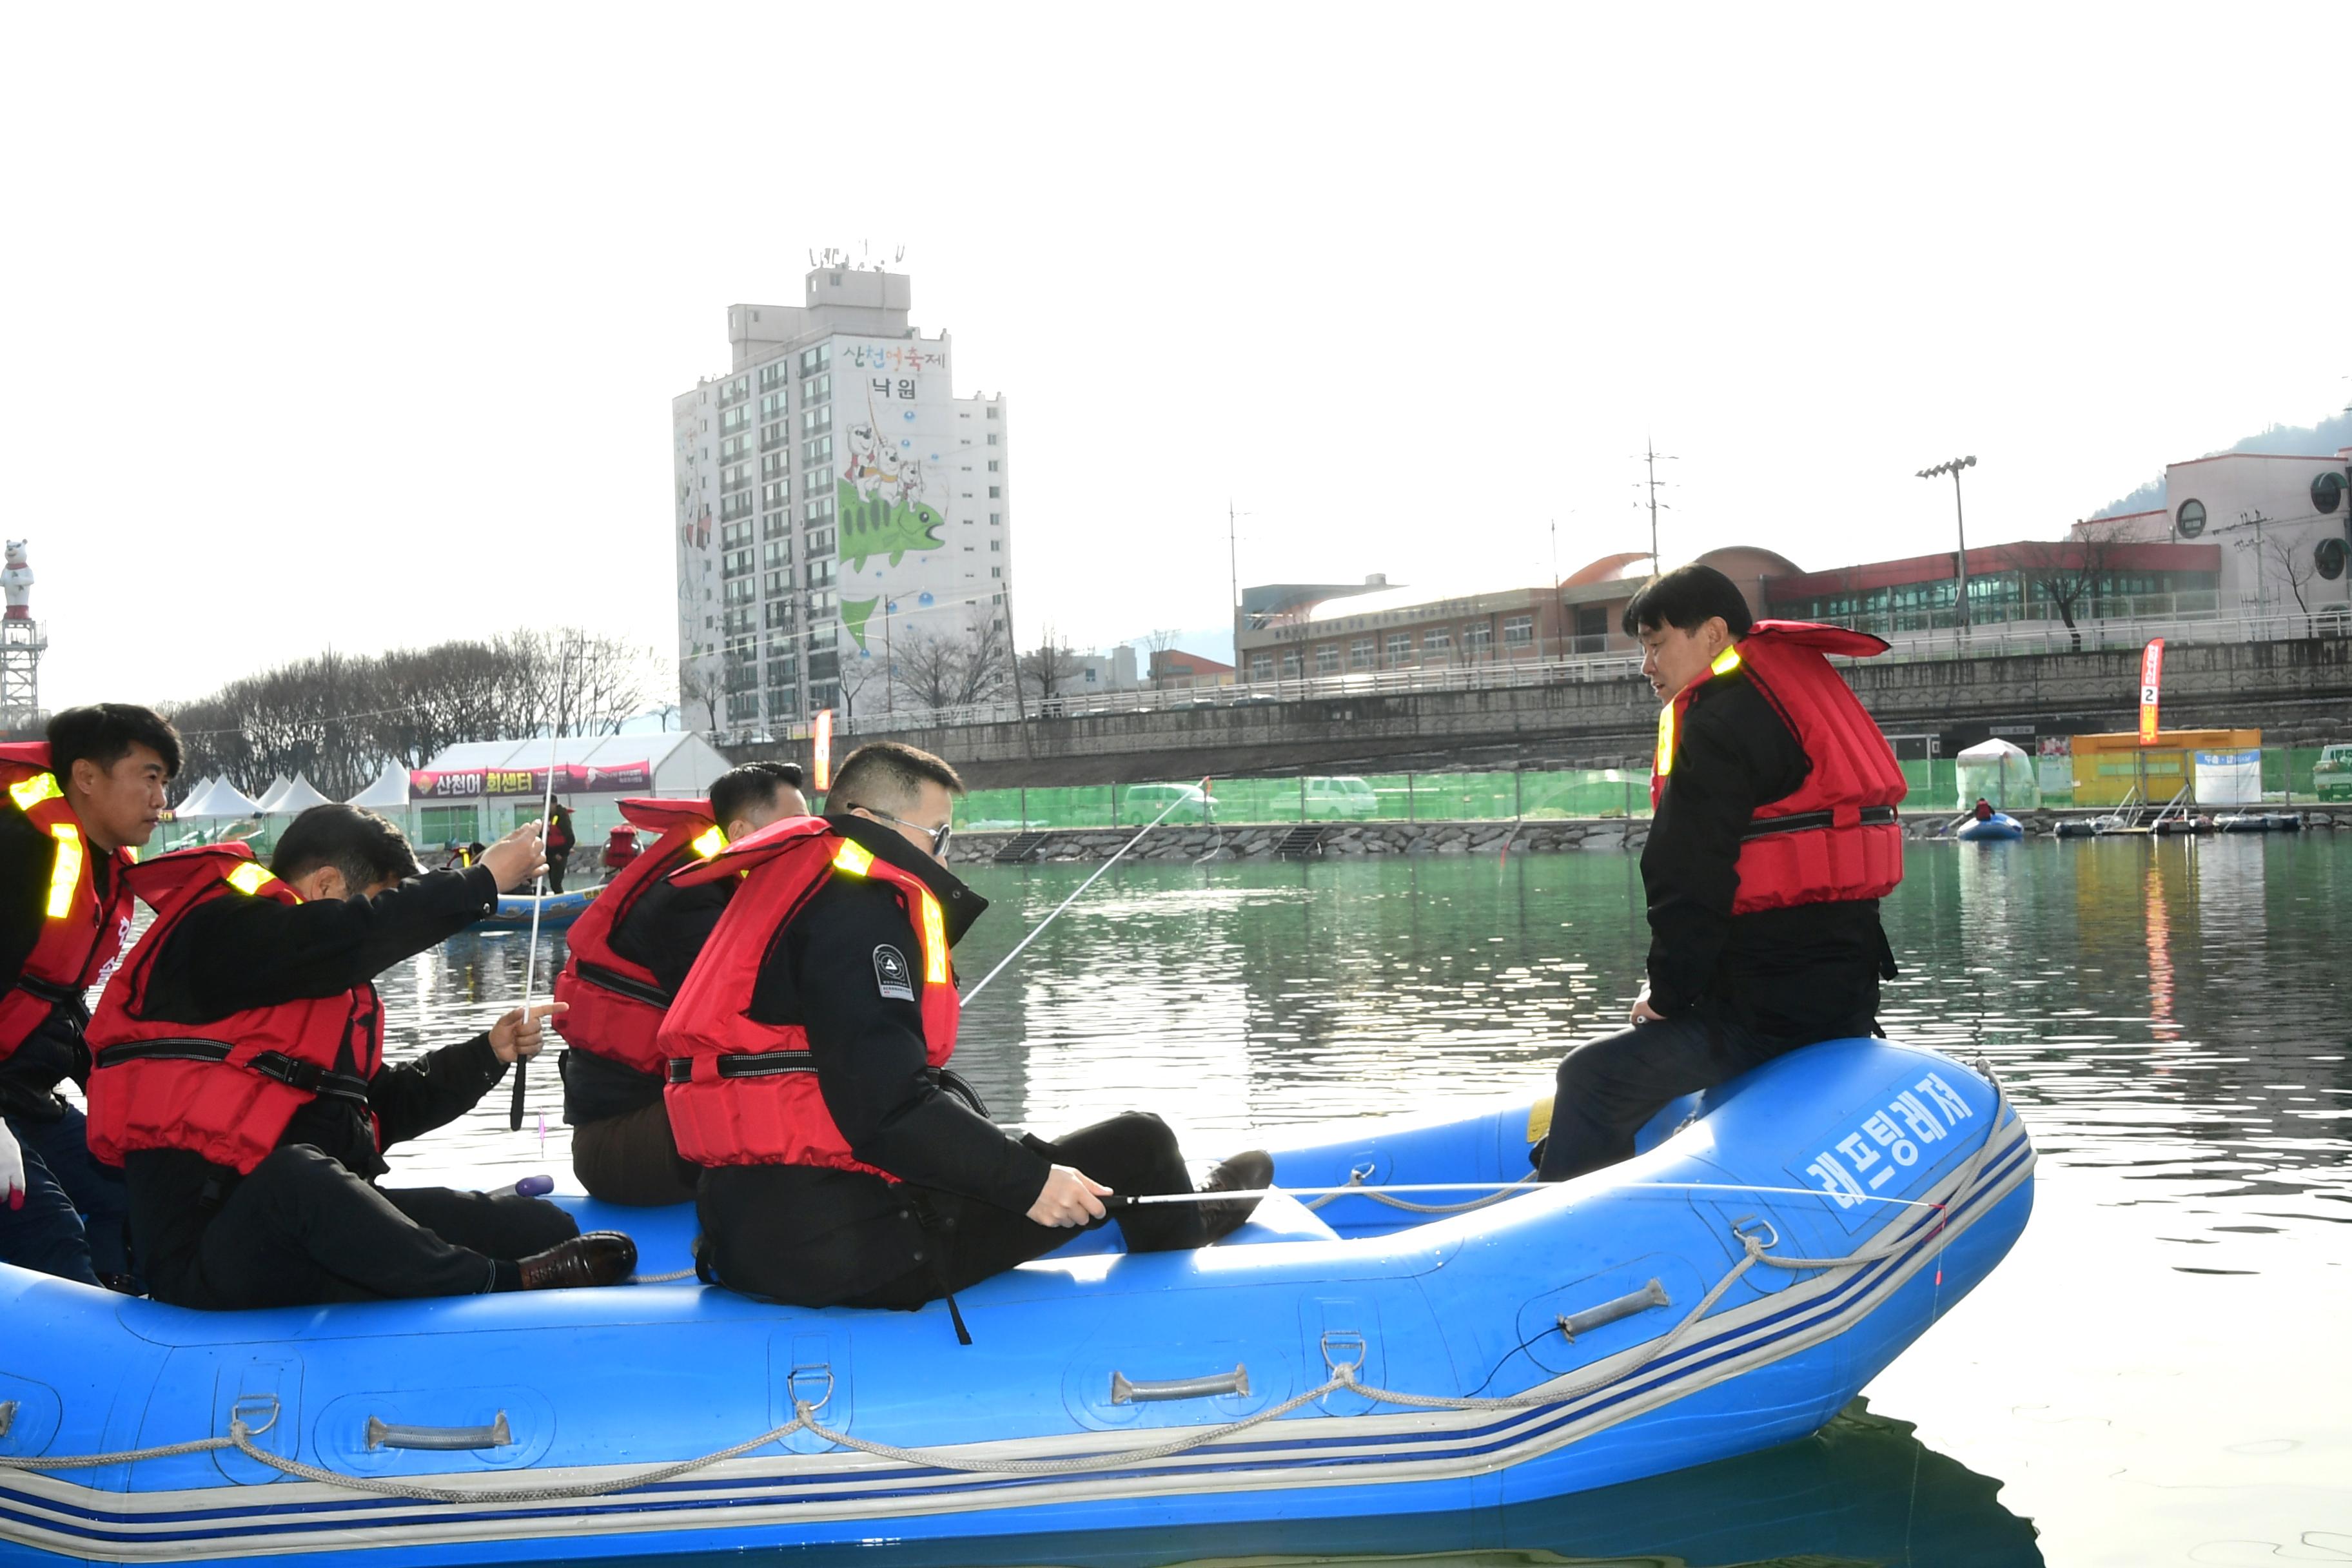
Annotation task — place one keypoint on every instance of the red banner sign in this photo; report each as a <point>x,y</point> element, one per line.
<point>2151,682</point>
<point>570,778</point>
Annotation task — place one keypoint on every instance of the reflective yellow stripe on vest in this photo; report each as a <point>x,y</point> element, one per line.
<point>250,876</point>
<point>1724,663</point>
<point>29,793</point>
<point>855,860</point>
<point>712,840</point>
<point>66,874</point>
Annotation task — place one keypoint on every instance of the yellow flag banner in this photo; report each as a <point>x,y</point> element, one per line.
<point>2151,682</point>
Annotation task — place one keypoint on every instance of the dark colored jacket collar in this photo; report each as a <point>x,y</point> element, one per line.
<point>958,903</point>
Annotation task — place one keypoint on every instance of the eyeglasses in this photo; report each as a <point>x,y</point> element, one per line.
<point>937,835</point>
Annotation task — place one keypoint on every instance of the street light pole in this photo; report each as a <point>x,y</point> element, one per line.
<point>1959,562</point>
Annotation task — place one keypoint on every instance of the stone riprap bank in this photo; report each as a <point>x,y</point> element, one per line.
<point>1363,838</point>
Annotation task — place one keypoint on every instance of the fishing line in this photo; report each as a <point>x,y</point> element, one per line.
<point>1073,898</point>
<point>1366,1189</point>
<point>539,883</point>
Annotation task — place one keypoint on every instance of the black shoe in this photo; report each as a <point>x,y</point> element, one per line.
<point>1248,1172</point>
<point>599,1257</point>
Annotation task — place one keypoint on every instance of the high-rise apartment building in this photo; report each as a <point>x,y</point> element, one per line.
<point>836,503</point>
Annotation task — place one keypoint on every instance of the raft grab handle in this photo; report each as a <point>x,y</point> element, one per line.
<point>1125,1390</point>
<point>7,1415</point>
<point>383,1433</point>
<point>1574,1323</point>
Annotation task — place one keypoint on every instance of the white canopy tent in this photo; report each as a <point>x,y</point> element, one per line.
<point>300,796</point>
<point>1998,771</point>
<point>195,793</point>
<point>389,792</point>
<point>218,798</point>
<point>275,793</point>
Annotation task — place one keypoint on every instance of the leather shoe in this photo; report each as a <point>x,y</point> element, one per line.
<point>598,1258</point>
<point>1248,1172</point>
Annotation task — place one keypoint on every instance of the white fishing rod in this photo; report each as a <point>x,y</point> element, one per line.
<point>1073,898</point>
<point>539,883</point>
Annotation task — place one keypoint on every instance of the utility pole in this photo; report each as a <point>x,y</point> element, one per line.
<point>1652,457</point>
<point>1559,598</point>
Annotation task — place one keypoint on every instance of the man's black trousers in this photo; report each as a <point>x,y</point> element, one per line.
<point>303,1229</point>
<point>1611,1087</point>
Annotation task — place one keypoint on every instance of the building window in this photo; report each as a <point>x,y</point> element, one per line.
<point>991,437</point>
<point>734,535</point>
<point>816,509</point>
<point>820,573</point>
<point>774,405</point>
<point>993,545</point>
<point>996,517</point>
<point>1518,631</point>
<point>779,612</point>
<point>995,492</point>
<point>992,413</point>
<point>817,541</point>
<point>1437,639</point>
<point>1400,647</point>
<point>735,476</point>
<point>735,390</point>
<point>816,419</point>
<point>777,497</point>
<point>1361,654</point>
<point>775,373</point>
<point>735,449</point>
<point>734,419</point>
<point>735,506</point>
<point>1289,663</point>
<point>739,590</point>
<point>996,572</point>
<point>816,359</point>
<point>1477,637</point>
<point>1261,667</point>
<point>822,606</point>
<point>776,552</point>
<point>1327,658</point>
<point>992,464</point>
<point>776,466</point>
<point>775,436</point>
<point>735,563</point>
<point>817,454</point>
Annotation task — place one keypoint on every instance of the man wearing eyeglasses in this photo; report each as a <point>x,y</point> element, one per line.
<point>807,1067</point>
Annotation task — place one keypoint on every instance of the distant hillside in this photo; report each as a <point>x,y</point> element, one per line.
<point>2327,435</point>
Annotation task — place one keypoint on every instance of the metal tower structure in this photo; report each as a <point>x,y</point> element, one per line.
<point>22,642</point>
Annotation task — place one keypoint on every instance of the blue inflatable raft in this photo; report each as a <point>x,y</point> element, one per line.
<point>554,910</point>
<point>1778,1242</point>
<point>1992,829</point>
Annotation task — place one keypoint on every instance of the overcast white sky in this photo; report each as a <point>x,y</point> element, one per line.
<point>358,325</point>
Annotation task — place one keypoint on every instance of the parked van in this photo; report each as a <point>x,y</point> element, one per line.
<point>1142,803</point>
<point>1340,797</point>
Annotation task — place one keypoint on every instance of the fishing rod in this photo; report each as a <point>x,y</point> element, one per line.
<point>1073,898</point>
<point>538,884</point>
<point>1113,1202</point>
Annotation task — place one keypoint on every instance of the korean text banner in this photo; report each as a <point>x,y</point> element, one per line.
<point>570,778</point>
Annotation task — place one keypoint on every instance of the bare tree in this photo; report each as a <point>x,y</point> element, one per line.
<point>2300,570</point>
<point>2072,574</point>
<point>957,667</point>
<point>698,685</point>
<point>1047,669</point>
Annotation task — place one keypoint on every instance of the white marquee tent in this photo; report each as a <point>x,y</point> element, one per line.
<point>218,798</point>
<point>300,796</point>
<point>275,793</point>
<point>389,792</point>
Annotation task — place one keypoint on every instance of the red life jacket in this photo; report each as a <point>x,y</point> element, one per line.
<point>1837,837</point>
<point>225,1089</point>
<point>617,1004</point>
<point>83,933</point>
<point>744,1093</point>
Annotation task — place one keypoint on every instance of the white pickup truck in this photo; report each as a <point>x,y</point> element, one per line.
<point>2331,776</point>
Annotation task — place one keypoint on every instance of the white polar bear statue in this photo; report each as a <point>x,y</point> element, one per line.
<point>16,580</point>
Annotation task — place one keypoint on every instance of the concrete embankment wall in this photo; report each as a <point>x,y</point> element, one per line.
<point>1365,838</point>
<point>2298,691</point>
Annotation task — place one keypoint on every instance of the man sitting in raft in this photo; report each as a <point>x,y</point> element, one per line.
<point>240,1083</point>
<point>627,957</point>
<point>807,1064</point>
<point>73,810</point>
<point>1773,838</point>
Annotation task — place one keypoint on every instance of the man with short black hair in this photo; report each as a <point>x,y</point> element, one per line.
<point>1773,839</point>
<point>72,811</point>
<point>808,1056</point>
<point>625,958</point>
<point>239,1081</point>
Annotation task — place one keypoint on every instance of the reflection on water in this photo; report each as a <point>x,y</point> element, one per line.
<point>2155,1374</point>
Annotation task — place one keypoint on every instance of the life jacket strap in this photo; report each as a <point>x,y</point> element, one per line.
<point>1805,821</point>
<point>622,984</point>
<point>307,1077</point>
<point>763,1064</point>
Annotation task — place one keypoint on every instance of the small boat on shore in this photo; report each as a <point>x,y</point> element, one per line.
<point>554,910</point>
<point>1388,1351</point>
<point>2259,822</point>
<point>1998,828</point>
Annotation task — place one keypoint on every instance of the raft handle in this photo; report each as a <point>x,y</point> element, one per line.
<point>7,1415</point>
<point>1125,1390</point>
<point>1344,1339</point>
<point>383,1433</point>
<point>1574,1323</point>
